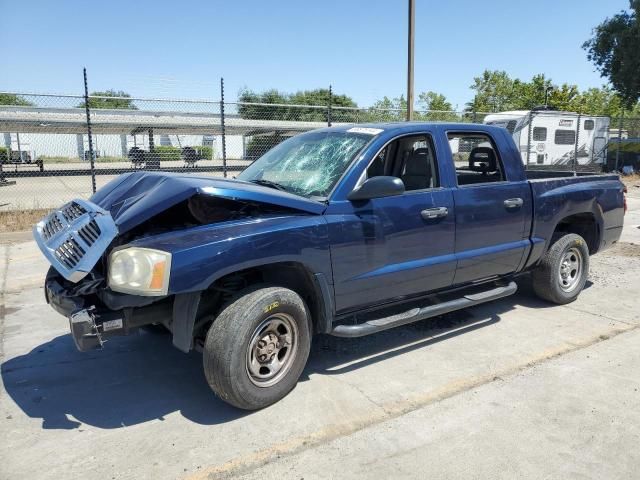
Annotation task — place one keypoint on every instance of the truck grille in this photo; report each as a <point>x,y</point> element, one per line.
<point>74,237</point>
<point>51,227</point>
<point>72,210</point>
<point>70,252</point>
<point>90,233</point>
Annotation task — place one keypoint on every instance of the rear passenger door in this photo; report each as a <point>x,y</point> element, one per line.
<point>491,237</point>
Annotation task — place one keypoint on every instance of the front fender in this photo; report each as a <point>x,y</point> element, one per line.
<point>203,254</point>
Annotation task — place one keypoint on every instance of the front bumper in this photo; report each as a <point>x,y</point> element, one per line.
<point>91,322</point>
<point>87,333</point>
<point>89,326</point>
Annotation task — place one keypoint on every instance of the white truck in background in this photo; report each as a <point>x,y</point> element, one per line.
<point>551,137</point>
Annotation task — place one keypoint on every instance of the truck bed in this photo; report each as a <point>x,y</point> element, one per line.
<point>596,198</point>
<point>536,174</point>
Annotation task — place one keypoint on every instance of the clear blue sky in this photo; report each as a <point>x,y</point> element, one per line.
<point>181,48</point>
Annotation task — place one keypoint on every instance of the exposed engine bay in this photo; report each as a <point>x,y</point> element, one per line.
<point>200,209</point>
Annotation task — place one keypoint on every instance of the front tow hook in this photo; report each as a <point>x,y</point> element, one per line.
<point>84,330</point>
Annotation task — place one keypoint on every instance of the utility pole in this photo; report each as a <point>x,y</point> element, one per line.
<point>412,12</point>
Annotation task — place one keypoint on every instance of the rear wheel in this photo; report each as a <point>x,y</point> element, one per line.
<point>563,270</point>
<point>257,347</point>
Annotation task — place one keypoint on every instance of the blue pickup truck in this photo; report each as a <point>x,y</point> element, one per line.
<point>345,231</point>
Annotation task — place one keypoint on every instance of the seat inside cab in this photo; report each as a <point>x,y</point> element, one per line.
<point>408,158</point>
<point>475,158</point>
<point>482,167</point>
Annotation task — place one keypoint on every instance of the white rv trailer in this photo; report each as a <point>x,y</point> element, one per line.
<point>553,136</point>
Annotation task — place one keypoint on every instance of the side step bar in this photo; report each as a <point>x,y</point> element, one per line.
<point>417,314</point>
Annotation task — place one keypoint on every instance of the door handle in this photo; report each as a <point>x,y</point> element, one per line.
<point>513,203</point>
<point>432,213</point>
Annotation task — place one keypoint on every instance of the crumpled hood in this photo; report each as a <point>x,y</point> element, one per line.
<point>135,197</point>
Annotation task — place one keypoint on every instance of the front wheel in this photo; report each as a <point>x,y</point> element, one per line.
<point>563,271</point>
<point>257,347</point>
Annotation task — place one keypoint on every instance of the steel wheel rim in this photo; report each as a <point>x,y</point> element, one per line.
<point>570,270</point>
<point>272,350</point>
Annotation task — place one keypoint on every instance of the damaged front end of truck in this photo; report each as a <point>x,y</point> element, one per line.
<point>112,256</point>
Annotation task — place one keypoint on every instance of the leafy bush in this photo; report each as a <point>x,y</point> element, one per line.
<point>4,154</point>
<point>628,146</point>
<point>13,99</point>
<point>204,151</point>
<point>168,153</point>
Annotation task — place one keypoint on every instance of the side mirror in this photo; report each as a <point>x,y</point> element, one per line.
<point>377,187</point>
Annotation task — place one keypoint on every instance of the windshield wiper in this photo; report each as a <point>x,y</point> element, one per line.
<point>269,183</point>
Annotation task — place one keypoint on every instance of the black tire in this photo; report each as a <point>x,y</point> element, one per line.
<point>231,344</point>
<point>558,284</point>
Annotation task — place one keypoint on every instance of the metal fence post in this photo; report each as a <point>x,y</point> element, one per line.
<point>224,137</point>
<point>619,140</point>
<point>329,106</point>
<point>575,148</point>
<point>91,156</point>
<point>529,138</point>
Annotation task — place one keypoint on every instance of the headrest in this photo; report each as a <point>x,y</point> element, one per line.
<point>418,162</point>
<point>483,159</point>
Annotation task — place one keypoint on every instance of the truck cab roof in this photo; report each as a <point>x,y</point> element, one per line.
<point>399,128</point>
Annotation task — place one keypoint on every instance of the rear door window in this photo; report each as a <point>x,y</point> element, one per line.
<point>475,158</point>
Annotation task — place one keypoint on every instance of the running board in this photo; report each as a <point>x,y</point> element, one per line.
<point>417,314</point>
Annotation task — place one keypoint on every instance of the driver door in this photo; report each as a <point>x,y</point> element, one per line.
<point>390,248</point>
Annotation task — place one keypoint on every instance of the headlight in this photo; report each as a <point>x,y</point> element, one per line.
<point>140,271</point>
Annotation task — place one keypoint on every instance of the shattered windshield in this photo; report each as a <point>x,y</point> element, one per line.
<point>309,164</point>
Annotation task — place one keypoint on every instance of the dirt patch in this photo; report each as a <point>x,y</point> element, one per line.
<point>20,220</point>
<point>614,266</point>
<point>626,249</point>
<point>632,182</point>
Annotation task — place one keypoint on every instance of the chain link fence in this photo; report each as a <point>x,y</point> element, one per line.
<point>46,157</point>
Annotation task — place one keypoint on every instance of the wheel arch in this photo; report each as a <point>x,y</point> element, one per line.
<point>586,224</point>
<point>313,287</point>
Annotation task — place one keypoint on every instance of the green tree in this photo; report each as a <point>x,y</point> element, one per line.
<point>600,101</point>
<point>527,95</point>
<point>433,101</point>
<point>117,100</point>
<point>494,92</point>
<point>273,96</point>
<point>614,49</point>
<point>320,96</point>
<point>388,110</point>
<point>437,107</point>
<point>566,97</point>
<point>13,99</point>
<point>288,108</point>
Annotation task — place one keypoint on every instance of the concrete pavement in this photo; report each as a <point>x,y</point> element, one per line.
<point>512,388</point>
<point>576,416</point>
